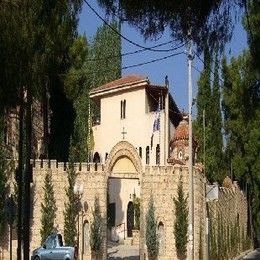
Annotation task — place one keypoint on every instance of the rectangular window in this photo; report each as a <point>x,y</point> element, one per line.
<point>147,157</point>
<point>122,109</point>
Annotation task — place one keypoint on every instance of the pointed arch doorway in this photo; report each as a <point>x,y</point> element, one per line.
<point>124,171</point>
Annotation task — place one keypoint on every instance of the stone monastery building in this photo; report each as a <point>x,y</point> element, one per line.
<point>140,151</point>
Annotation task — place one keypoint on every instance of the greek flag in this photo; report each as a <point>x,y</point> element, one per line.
<point>156,123</point>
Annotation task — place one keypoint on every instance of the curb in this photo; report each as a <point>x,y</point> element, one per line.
<point>243,254</point>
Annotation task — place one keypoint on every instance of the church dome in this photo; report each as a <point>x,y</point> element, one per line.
<point>182,131</point>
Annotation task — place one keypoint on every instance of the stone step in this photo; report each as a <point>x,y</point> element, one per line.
<point>128,241</point>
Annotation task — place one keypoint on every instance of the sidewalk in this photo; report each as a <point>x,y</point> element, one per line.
<point>118,251</point>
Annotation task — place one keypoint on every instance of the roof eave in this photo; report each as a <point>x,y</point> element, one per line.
<point>117,88</point>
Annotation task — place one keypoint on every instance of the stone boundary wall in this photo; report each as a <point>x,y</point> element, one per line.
<point>94,181</point>
<point>159,181</point>
<point>231,206</point>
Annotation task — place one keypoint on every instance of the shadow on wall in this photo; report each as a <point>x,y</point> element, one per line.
<point>115,211</point>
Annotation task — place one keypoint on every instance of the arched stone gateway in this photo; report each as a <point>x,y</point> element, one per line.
<point>123,170</point>
<point>126,154</point>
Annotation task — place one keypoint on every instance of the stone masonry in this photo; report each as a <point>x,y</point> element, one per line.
<point>158,181</point>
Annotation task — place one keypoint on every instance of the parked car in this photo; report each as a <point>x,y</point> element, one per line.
<point>53,248</point>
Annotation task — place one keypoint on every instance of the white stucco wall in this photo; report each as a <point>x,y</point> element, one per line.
<point>138,124</point>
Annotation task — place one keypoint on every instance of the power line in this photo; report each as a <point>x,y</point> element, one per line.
<point>122,36</point>
<point>137,51</point>
<point>138,64</point>
<point>214,74</point>
<point>155,60</point>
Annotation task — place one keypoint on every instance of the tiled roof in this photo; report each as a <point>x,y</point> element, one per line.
<point>182,131</point>
<point>129,79</point>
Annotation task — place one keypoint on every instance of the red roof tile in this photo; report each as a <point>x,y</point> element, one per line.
<point>129,79</point>
<point>182,131</point>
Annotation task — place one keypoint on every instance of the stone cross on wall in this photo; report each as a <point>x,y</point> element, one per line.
<point>123,133</point>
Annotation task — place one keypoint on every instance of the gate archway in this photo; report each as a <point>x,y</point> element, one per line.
<point>124,170</point>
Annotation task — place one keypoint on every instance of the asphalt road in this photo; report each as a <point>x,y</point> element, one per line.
<point>255,255</point>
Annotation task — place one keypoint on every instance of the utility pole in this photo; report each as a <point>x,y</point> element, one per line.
<point>191,191</point>
<point>206,219</point>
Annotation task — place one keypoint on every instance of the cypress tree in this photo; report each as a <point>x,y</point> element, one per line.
<point>181,222</point>
<point>208,101</point>
<point>216,143</point>
<point>96,228</point>
<point>71,206</point>
<point>48,207</point>
<point>106,62</point>
<point>150,231</point>
<point>203,104</point>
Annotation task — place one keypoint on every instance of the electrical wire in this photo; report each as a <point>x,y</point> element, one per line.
<point>122,36</point>
<point>135,65</point>
<point>137,51</point>
<point>155,60</point>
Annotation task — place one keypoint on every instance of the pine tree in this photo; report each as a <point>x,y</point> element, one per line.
<point>71,206</point>
<point>181,222</point>
<point>96,228</point>
<point>150,231</point>
<point>48,207</point>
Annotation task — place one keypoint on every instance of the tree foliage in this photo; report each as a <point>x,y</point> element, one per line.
<point>150,231</point>
<point>96,228</point>
<point>209,20</point>
<point>241,106</point>
<point>92,64</point>
<point>105,54</point>
<point>208,102</point>
<point>181,222</point>
<point>71,205</point>
<point>48,208</point>
<point>252,25</point>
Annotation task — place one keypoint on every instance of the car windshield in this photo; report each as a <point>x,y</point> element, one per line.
<point>50,242</point>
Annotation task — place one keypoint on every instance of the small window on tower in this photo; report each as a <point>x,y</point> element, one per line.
<point>158,154</point>
<point>140,152</point>
<point>123,109</point>
<point>147,155</point>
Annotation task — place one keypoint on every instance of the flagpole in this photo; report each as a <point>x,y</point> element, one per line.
<point>166,109</point>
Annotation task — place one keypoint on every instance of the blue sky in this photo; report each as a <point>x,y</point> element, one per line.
<point>175,67</point>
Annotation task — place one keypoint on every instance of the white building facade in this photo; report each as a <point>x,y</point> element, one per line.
<point>134,110</point>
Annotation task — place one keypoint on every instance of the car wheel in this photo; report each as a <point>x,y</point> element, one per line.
<point>36,258</point>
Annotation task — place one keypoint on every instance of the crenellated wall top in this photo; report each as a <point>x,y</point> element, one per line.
<point>63,166</point>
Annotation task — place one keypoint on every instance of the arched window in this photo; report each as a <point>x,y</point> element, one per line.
<point>147,155</point>
<point>157,154</point>
<point>140,152</point>
<point>161,238</point>
<point>96,158</point>
<point>86,237</point>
